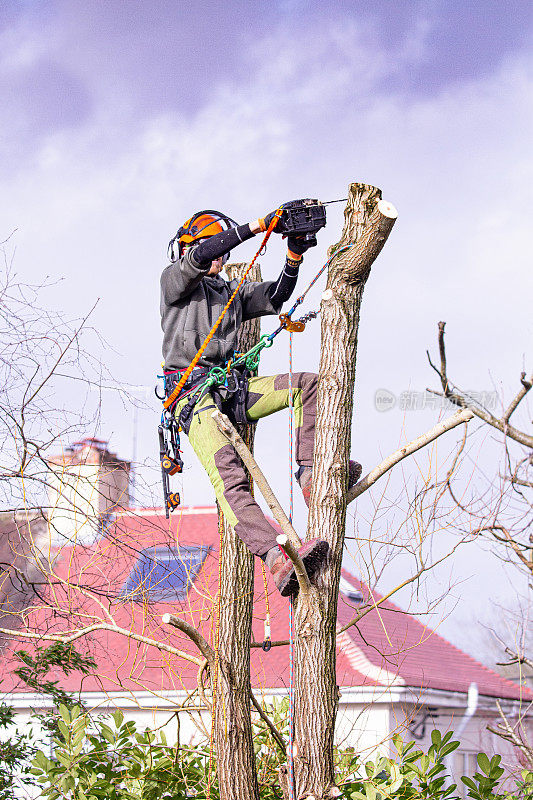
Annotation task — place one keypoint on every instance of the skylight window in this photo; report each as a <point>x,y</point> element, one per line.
<point>164,573</point>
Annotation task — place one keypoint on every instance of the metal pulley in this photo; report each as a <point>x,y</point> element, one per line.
<point>294,326</point>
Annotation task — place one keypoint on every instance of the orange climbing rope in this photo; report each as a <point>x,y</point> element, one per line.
<point>183,380</point>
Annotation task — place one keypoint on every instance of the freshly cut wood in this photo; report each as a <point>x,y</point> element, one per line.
<point>387,209</point>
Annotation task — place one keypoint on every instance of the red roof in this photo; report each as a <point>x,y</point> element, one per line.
<point>387,647</point>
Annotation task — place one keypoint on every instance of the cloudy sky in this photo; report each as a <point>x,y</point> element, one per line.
<point>120,119</point>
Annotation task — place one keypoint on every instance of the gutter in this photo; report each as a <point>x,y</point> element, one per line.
<point>471,708</point>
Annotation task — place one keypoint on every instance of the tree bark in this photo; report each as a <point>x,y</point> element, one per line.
<point>237,774</point>
<point>368,222</point>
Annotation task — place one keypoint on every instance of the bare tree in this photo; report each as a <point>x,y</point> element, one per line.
<point>503,513</point>
<point>43,354</point>
<point>50,386</point>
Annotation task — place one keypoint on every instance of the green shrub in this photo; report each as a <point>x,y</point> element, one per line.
<point>415,775</point>
<point>15,753</point>
<point>17,749</point>
<point>95,761</point>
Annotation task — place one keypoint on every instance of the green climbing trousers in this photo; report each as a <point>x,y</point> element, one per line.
<point>266,395</point>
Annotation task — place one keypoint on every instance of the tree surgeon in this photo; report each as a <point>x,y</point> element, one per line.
<point>193,295</point>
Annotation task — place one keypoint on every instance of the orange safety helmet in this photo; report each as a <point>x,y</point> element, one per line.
<point>200,226</point>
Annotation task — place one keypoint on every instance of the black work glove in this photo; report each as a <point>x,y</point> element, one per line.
<point>268,219</point>
<point>301,244</point>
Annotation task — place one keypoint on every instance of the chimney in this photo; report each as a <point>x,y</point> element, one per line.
<point>87,484</point>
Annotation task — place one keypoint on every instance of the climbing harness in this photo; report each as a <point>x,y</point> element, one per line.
<point>171,462</point>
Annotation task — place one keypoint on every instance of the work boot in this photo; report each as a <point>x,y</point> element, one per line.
<point>304,476</point>
<point>313,554</point>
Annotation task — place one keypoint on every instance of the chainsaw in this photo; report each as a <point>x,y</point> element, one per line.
<point>302,218</point>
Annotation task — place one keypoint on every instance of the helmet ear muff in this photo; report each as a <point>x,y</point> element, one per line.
<point>175,241</point>
<point>171,249</point>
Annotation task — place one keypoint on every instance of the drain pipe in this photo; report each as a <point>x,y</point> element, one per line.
<point>471,708</point>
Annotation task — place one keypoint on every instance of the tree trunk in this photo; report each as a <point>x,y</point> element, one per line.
<point>233,728</point>
<point>368,222</point>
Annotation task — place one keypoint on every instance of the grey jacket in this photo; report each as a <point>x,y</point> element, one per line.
<point>192,301</point>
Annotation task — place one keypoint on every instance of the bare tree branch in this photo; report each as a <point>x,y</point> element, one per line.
<point>303,579</point>
<point>515,658</point>
<point>442,427</point>
<point>276,735</point>
<point>226,428</point>
<point>68,637</point>
<point>526,386</point>
<point>455,396</point>
<point>521,482</point>
<point>194,635</point>
<point>509,540</point>
<point>63,350</point>
<point>515,734</point>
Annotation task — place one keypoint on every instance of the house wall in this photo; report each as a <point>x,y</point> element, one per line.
<point>446,715</point>
<point>363,722</point>
<point>359,724</point>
